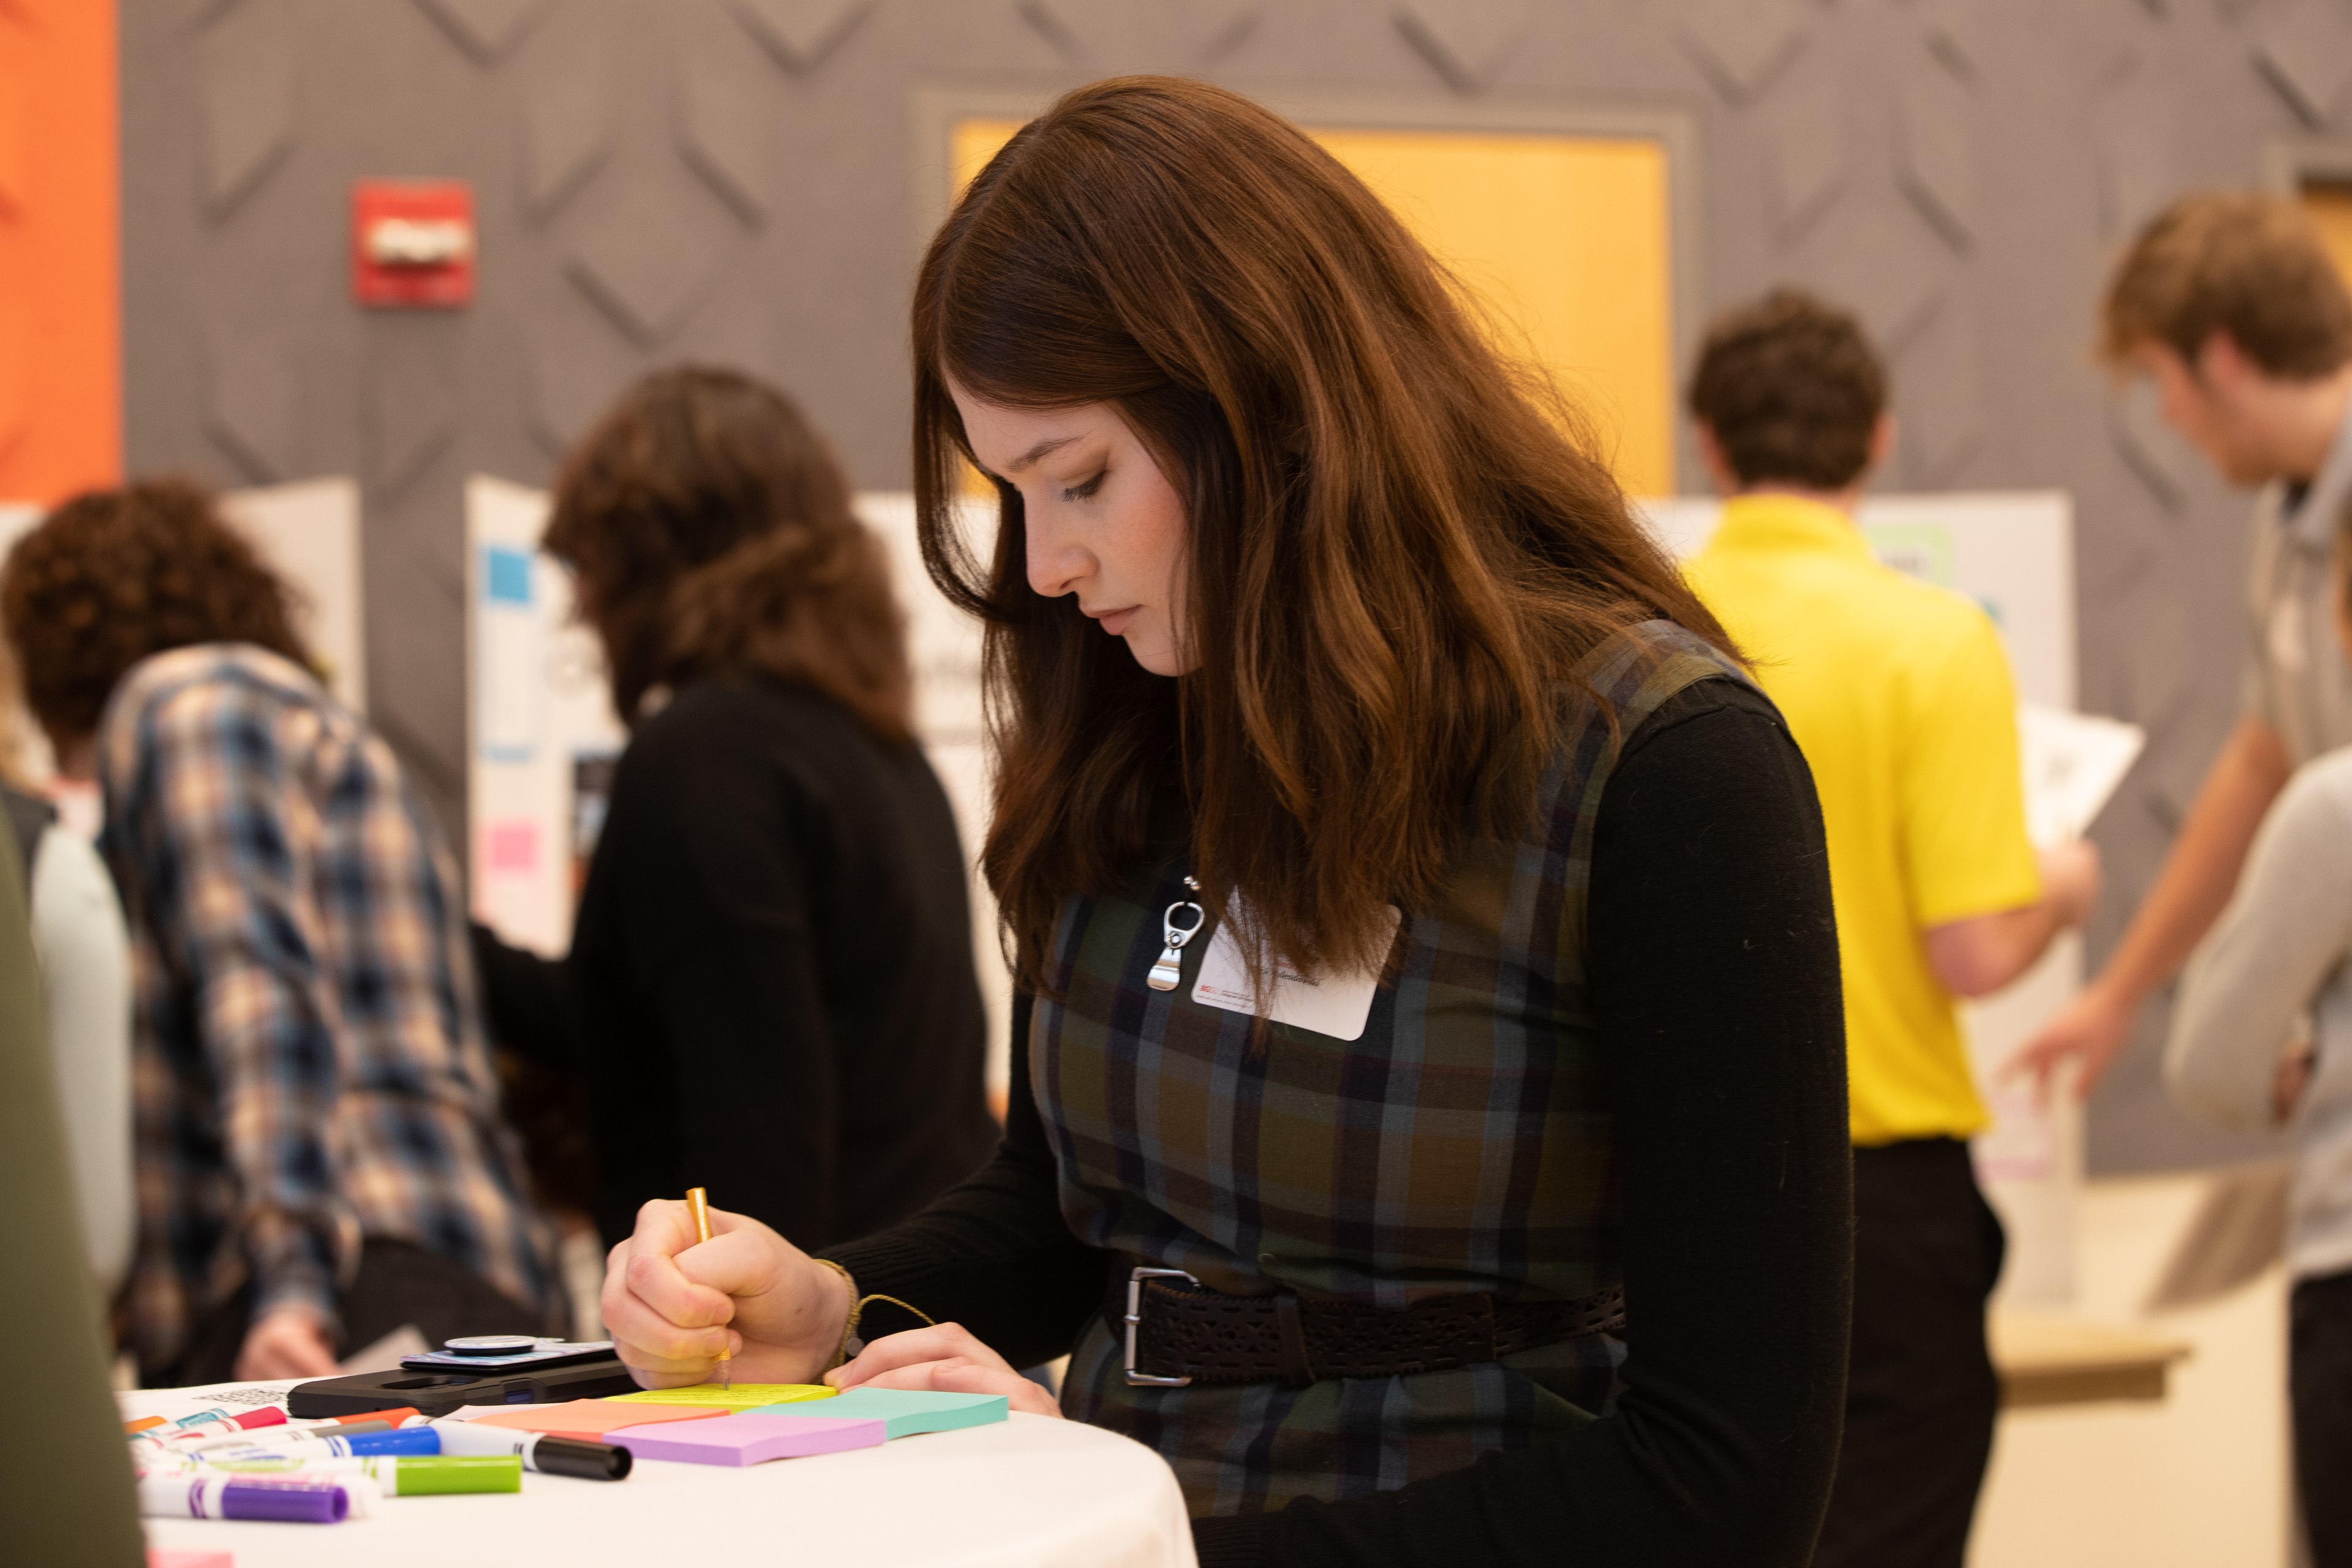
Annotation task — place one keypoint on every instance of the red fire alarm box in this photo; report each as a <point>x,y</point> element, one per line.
<point>413,243</point>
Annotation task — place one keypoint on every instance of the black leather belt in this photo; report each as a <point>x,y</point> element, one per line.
<point>1178,1330</point>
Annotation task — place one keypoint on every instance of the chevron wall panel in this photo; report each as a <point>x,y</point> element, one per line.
<point>742,181</point>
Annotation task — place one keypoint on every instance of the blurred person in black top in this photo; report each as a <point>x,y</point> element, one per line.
<point>771,972</point>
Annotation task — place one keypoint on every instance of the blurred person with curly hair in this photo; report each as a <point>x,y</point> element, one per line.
<point>320,1157</point>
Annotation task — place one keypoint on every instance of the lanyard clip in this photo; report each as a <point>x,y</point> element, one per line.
<point>1169,972</point>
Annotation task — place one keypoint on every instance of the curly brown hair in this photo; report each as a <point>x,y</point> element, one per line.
<point>1792,390</point>
<point>710,531</point>
<point>114,576</point>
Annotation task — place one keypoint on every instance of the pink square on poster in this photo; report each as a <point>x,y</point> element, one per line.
<point>511,847</point>
<point>746,1439</point>
<point>168,1557</point>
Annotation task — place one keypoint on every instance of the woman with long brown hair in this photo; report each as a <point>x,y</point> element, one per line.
<point>773,962</point>
<point>1429,1119</point>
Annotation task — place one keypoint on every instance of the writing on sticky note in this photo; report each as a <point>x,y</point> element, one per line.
<point>905,1412</point>
<point>742,1396</point>
<point>592,1418</point>
<point>748,1438</point>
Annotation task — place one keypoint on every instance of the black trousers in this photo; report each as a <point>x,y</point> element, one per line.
<point>1922,1394</point>
<point>397,1283</point>
<point>2319,1390</point>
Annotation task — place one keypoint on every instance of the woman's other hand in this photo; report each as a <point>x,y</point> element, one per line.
<point>287,1342</point>
<point>672,1304</point>
<point>945,1357</point>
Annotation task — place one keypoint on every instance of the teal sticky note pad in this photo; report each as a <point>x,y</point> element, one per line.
<point>903,1412</point>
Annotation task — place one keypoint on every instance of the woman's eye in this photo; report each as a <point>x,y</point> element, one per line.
<point>1084,491</point>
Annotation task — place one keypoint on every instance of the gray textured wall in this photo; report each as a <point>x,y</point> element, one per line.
<point>745,181</point>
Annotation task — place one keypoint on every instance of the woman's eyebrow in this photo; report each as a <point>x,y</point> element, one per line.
<point>1050,444</point>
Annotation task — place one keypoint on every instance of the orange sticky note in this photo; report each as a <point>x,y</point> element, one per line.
<point>592,1418</point>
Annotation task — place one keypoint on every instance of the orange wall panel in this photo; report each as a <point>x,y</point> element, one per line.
<point>60,314</point>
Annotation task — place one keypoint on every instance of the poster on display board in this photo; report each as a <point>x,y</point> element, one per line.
<point>544,740</point>
<point>2013,554</point>
<point>542,736</point>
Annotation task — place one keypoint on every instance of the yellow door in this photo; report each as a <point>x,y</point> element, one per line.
<point>2330,206</point>
<point>1563,243</point>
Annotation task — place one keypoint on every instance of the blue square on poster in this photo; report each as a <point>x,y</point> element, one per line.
<point>506,575</point>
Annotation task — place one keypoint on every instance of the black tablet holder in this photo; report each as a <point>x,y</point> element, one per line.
<point>443,1389</point>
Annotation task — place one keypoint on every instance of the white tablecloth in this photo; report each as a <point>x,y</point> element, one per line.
<point>1032,1492</point>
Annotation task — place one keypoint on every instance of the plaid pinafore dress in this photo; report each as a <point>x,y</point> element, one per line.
<point>1463,1145</point>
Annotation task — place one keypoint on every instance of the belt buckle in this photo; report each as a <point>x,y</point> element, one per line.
<point>1135,1279</point>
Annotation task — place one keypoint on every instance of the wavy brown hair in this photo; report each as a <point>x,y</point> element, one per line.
<point>1400,544</point>
<point>709,528</point>
<point>114,576</point>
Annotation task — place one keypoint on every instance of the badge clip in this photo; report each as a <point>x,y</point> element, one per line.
<point>1169,972</point>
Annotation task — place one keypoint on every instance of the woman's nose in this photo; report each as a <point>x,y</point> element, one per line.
<point>1057,564</point>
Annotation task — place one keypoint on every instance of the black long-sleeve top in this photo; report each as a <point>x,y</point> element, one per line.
<point>772,967</point>
<point>1714,967</point>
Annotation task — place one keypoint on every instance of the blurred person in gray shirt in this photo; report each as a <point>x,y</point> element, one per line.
<point>2239,1056</point>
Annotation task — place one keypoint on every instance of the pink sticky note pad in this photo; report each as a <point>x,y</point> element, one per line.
<point>592,1418</point>
<point>746,1439</point>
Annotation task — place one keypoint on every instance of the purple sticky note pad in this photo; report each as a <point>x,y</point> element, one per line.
<point>745,1439</point>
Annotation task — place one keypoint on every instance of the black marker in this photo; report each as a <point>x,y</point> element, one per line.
<point>540,1451</point>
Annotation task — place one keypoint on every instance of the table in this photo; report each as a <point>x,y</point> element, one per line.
<point>1033,1492</point>
<point>2047,1359</point>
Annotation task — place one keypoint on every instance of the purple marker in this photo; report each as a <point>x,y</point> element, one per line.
<point>250,1497</point>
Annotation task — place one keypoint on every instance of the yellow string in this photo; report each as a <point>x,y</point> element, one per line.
<point>857,1311</point>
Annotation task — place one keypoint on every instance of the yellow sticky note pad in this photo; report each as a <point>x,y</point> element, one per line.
<point>742,1396</point>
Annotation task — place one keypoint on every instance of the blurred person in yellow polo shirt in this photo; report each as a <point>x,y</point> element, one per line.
<point>1899,695</point>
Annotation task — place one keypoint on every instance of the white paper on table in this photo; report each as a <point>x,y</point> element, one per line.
<point>2073,763</point>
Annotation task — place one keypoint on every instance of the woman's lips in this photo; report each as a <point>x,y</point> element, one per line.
<point>1116,622</point>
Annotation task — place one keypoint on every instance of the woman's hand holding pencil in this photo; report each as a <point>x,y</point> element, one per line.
<point>675,1304</point>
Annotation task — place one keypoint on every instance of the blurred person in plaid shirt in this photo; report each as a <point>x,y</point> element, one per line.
<point>321,1158</point>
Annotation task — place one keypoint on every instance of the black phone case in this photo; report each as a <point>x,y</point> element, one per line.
<point>443,1389</point>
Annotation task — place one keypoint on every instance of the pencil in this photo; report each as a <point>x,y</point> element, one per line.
<point>698,1202</point>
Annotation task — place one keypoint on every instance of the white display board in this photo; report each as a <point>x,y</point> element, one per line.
<point>310,533</point>
<point>542,723</point>
<point>945,646</point>
<point>2014,554</point>
<point>538,713</point>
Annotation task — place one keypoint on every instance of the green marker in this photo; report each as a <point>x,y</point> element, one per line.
<point>403,1475</point>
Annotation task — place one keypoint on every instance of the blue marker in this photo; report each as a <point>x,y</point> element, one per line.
<point>411,1440</point>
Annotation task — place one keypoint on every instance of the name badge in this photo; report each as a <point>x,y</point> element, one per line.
<point>1336,1004</point>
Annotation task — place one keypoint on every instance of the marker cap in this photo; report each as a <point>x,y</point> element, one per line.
<point>322,1501</point>
<point>548,1454</point>
<point>571,1456</point>
<point>449,1474</point>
